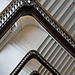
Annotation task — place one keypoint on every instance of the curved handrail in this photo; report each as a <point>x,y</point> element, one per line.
<point>18,8</point>
<point>34,54</point>
<point>35,73</point>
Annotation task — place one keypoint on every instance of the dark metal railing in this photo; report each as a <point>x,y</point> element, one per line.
<point>18,8</point>
<point>30,55</point>
<point>35,73</point>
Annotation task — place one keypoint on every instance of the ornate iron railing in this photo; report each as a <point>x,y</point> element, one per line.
<point>18,8</point>
<point>29,56</point>
<point>35,73</point>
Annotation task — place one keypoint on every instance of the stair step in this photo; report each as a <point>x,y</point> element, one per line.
<point>66,66</point>
<point>39,68</point>
<point>43,44</point>
<point>51,51</point>
<point>47,50</point>
<point>72,28</point>
<point>46,72</point>
<point>43,73</point>
<point>51,57</point>
<point>70,68</point>
<point>55,53</point>
<point>73,71</point>
<point>50,3</point>
<point>60,60</point>
<point>66,13</point>
<point>57,57</point>
<point>53,6</point>
<point>63,63</point>
<point>64,10</point>
<point>60,9</point>
<point>57,7</point>
<point>46,3</point>
<point>68,16</point>
<point>70,23</point>
<point>42,70</point>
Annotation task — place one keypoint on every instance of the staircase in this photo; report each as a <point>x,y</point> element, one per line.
<point>58,57</point>
<point>63,11</point>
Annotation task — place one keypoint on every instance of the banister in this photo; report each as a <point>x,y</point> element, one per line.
<point>18,8</point>
<point>30,55</point>
<point>35,73</point>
